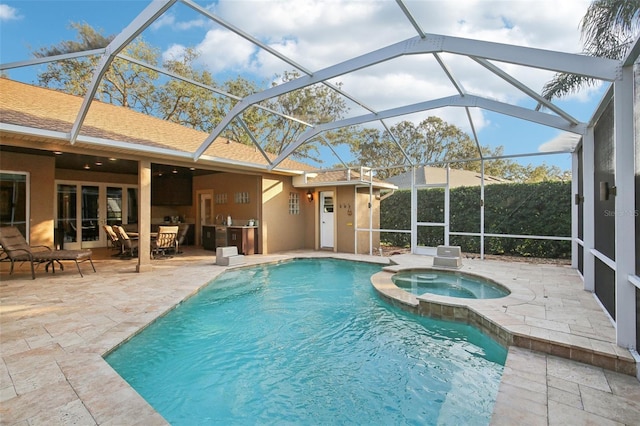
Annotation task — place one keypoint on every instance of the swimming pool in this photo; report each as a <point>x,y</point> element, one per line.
<point>452,284</point>
<point>308,341</point>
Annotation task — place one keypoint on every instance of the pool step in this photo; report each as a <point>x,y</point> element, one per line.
<point>228,256</point>
<point>448,257</point>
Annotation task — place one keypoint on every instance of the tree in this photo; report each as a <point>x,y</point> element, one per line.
<point>183,102</point>
<point>608,30</point>
<point>315,104</point>
<point>432,140</point>
<point>124,83</point>
<point>73,75</point>
<point>138,87</point>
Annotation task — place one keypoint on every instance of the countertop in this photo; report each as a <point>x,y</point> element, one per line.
<point>232,226</point>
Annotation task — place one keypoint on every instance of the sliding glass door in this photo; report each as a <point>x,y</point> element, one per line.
<point>14,201</point>
<point>83,208</point>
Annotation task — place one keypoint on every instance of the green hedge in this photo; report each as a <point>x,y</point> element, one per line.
<point>520,208</point>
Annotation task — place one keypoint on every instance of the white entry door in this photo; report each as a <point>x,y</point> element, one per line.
<point>326,219</point>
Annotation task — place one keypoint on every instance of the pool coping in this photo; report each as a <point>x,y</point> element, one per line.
<point>492,318</point>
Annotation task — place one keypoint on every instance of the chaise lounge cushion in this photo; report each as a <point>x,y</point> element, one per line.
<point>18,250</point>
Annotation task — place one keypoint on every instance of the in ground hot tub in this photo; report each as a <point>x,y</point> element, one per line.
<point>452,284</point>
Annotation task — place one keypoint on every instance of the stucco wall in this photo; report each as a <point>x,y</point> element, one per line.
<point>281,230</point>
<point>345,223</point>
<point>84,176</point>
<point>41,171</point>
<point>230,184</point>
<point>364,242</point>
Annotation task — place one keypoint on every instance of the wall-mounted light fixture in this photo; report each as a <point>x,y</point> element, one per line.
<point>309,196</point>
<point>606,191</point>
<point>578,199</point>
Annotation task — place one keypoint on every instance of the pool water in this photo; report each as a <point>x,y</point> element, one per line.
<point>451,284</point>
<point>308,341</point>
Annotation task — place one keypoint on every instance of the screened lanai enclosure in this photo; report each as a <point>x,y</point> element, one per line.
<point>453,78</point>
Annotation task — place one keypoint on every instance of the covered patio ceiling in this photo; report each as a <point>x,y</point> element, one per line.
<point>437,55</point>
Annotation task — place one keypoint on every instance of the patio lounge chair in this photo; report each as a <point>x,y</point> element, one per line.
<point>18,250</point>
<point>129,246</point>
<point>113,238</point>
<point>183,230</point>
<point>165,241</point>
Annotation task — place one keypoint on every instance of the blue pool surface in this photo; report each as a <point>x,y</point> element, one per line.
<point>453,284</point>
<point>309,342</point>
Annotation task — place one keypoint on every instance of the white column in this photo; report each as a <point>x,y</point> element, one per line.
<point>447,212</point>
<point>588,220</point>
<point>414,211</point>
<point>574,209</point>
<point>144,216</point>
<point>482,209</point>
<point>625,207</point>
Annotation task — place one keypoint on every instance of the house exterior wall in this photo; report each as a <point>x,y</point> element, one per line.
<point>84,176</point>
<point>345,223</point>
<point>230,184</point>
<point>281,230</point>
<point>362,200</point>
<point>41,189</point>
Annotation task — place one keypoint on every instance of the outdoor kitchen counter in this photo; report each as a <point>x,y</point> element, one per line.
<point>244,237</point>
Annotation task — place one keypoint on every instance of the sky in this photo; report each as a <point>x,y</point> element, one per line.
<point>320,33</point>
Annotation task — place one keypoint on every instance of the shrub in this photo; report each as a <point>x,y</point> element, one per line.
<point>518,208</point>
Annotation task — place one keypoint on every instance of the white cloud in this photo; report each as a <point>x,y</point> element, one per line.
<point>8,13</point>
<point>319,33</point>
<point>166,20</point>
<point>223,51</point>
<point>169,20</point>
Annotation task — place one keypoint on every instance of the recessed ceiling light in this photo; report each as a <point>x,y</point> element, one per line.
<point>112,159</point>
<point>57,152</point>
<point>174,171</point>
<point>192,168</point>
<point>98,163</point>
<point>87,167</point>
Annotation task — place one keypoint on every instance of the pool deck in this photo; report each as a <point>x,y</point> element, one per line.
<point>55,330</point>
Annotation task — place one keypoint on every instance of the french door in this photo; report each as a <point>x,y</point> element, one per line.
<point>83,208</point>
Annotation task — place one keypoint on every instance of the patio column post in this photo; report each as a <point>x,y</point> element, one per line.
<point>482,208</point>
<point>144,216</point>
<point>414,211</point>
<point>574,210</point>
<point>625,208</point>
<point>588,219</point>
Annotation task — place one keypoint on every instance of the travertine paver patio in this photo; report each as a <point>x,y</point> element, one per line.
<point>55,329</point>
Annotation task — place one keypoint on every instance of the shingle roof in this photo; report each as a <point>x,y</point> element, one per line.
<point>41,108</point>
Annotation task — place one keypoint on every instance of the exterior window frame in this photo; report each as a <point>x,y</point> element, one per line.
<point>294,203</point>
<point>27,203</point>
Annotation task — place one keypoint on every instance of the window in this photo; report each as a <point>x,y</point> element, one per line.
<point>221,198</point>
<point>294,203</point>
<point>241,198</point>
<point>13,201</point>
<point>132,205</point>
